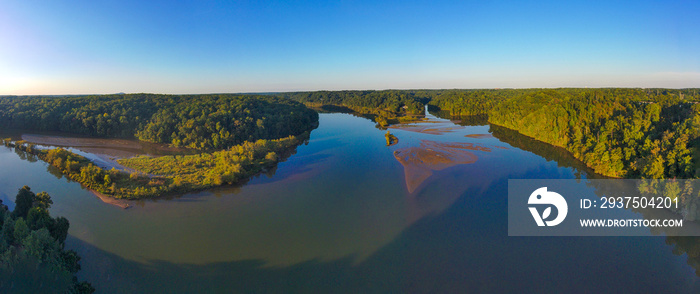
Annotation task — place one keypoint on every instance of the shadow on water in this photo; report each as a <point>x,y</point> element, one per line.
<point>464,120</point>
<point>561,156</point>
<point>549,152</point>
<point>333,109</point>
<point>689,246</point>
<point>472,253</point>
<point>457,244</point>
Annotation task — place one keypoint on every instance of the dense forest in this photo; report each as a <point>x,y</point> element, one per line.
<point>385,107</point>
<point>32,254</point>
<point>619,132</point>
<point>634,133</point>
<point>460,103</point>
<point>241,135</point>
<point>203,122</point>
<point>395,101</point>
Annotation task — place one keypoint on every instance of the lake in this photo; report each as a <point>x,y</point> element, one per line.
<point>348,214</point>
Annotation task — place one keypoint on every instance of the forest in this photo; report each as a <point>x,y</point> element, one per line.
<point>384,107</point>
<point>631,133</point>
<point>202,122</point>
<point>33,258</point>
<point>237,136</point>
<point>394,101</point>
<point>618,132</point>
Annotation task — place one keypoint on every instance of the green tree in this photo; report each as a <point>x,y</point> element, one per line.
<point>21,229</point>
<point>23,202</point>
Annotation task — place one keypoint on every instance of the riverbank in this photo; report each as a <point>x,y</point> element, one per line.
<point>164,175</point>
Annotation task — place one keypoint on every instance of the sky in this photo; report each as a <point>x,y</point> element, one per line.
<point>189,47</point>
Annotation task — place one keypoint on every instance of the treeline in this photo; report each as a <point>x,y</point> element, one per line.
<point>390,102</point>
<point>33,258</point>
<point>647,133</point>
<point>204,122</point>
<point>466,102</point>
<point>460,103</point>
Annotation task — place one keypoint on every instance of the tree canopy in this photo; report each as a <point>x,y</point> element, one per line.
<point>32,254</point>
<point>647,133</point>
<point>204,122</point>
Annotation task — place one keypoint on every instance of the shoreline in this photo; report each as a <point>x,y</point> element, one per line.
<point>158,190</point>
<point>122,203</point>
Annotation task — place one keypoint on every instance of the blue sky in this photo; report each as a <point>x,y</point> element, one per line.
<point>79,47</point>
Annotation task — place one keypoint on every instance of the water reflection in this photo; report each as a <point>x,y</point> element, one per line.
<point>328,203</point>
<point>690,209</point>
<point>683,245</point>
<point>336,218</point>
<point>689,246</point>
<point>549,152</point>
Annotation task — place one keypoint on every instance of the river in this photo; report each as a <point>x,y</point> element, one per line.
<point>347,214</point>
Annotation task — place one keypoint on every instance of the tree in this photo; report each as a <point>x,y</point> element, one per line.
<point>39,218</point>
<point>20,230</point>
<point>43,201</point>
<point>32,258</point>
<point>41,245</point>
<point>23,202</point>
<point>60,229</point>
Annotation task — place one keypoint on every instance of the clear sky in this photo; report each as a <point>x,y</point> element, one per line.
<point>93,47</point>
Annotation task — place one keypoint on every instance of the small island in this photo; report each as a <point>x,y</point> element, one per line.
<point>391,139</point>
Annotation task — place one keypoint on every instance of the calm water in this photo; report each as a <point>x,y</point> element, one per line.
<point>339,216</point>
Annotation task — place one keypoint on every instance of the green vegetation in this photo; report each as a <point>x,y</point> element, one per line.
<point>242,134</point>
<point>461,103</point>
<point>203,122</point>
<point>549,152</point>
<point>635,133</point>
<point>646,133</point>
<point>156,176</point>
<point>32,254</point>
<point>392,101</point>
<point>193,172</point>
<point>384,107</point>
<point>390,139</point>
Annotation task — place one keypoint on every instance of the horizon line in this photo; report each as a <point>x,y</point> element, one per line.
<point>344,90</point>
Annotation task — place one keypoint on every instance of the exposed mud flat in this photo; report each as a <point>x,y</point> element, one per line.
<point>113,201</point>
<point>104,152</point>
<point>431,128</point>
<point>420,162</point>
<point>120,148</point>
<point>479,136</point>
